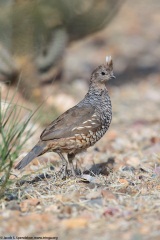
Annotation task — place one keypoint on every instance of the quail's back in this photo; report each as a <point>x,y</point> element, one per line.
<point>81,126</point>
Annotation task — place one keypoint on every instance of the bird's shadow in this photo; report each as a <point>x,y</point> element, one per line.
<point>103,168</point>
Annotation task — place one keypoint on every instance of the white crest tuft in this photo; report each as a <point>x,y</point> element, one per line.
<point>108,59</point>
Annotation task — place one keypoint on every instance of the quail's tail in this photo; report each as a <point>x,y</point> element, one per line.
<point>35,152</point>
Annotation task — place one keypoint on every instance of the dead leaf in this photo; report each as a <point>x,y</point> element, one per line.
<point>155,140</point>
<point>111,211</point>
<point>108,195</point>
<point>75,223</point>
<point>124,182</point>
<point>158,187</point>
<point>66,210</point>
<point>133,161</point>
<point>26,204</point>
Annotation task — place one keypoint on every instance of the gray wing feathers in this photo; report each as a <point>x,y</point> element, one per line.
<point>62,126</point>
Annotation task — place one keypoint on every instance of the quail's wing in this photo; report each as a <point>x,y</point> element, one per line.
<point>75,120</point>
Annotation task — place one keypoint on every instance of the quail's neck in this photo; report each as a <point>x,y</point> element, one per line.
<point>96,96</point>
<point>97,89</point>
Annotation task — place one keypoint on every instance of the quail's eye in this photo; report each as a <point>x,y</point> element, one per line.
<point>103,73</point>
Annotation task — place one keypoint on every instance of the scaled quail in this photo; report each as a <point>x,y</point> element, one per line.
<point>79,127</point>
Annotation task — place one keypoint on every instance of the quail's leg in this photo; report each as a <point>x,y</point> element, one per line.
<point>70,159</point>
<point>63,169</point>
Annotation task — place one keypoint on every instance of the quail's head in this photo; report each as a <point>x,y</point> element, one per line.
<point>104,72</point>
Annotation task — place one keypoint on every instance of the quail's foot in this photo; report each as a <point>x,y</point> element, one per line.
<point>63,172</point>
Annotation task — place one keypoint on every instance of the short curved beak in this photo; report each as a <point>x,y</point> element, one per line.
<point>113,76</point>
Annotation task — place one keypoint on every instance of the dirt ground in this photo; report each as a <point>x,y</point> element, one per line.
<point>119,194</point>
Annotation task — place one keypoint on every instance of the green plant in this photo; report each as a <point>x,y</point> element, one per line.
<point>14,132</point>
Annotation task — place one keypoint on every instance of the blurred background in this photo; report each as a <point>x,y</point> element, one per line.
<point>51,47</point>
